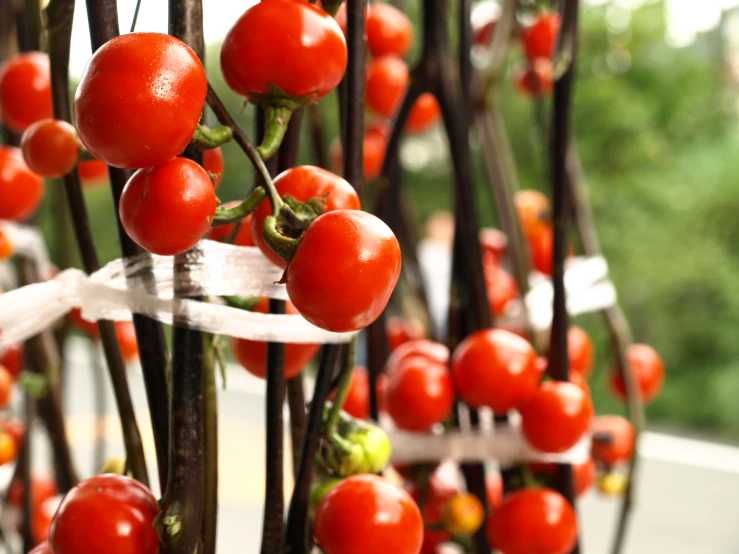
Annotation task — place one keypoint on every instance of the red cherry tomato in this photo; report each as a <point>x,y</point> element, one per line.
<point>501,287</point>
<point>495,368</point>
<point>557,416</point>
<point>223,233</point>
<point>400,330</point>
<point>303,183</point>
<point>42,548</point>
<point>424,114</point>
<point>213,164</point>
<point>357,401</point>
<point>25,90</point>
<point>365,513</point>
<point>16,429</point>
<point>42,488</point>
<point>541,248</point>
<point>90,328</point>
<point>494,488</point>
<point>140,100</point>
<point>50,147</point>
<point>119,509</point>
<point>363,252</point>
<point>167,209</point>
<point>374,146</point>
<point>419,394</point>
<point>126,334</point>
<point>494,244</point>
<point>581,350</point>
<point>8,448</point>
<point>576,378</point>
<point>6,247</point>
<point>533,520</point>
<point>648,370</point>
<point>43,514</point>
<point>584,475</point>
<point>428,350</point>
<point>534,212</point>
<point>613,440</point>
<point>540,38</point>
<point>306,63</point>
<point>389,31</point>
<point>536,79</point>
<point>6,386</point>
<point>20,188</point>
<point>92,172</point>
<point>485,16</point>
<point>253,354</point>
<point>387,82</point>
<point>433,514</point>
<point>12,359</point>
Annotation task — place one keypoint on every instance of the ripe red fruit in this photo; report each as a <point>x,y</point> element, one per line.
<point>12,359</point>
<point>42,487</point>
<point>8,448</point>
<point>419,394</point>
<point>387,82</point>
<point>494,244</point>
<point>213,164</point>
<point>126,335</point>
<point>374,146</point>
<point>536,79</point>
<point>365,513</point>
<point>364,252</point>
<point>648,370</point>
<point>433,514</point>
<point>501,287</point>
<point>92,172</point>
<point>16,429</point>
<point>20,188</point>
<point>253,354</point>
<point>223,232</point>
<point>584,475</point>
<point>140,100</point>
<point>400,330</point>
<point>541,248</point>
<point>557,416</point>
<point>357,401</point>
<point>42,548</point>
<point>119,509</point>
<point>534,212</point>
<point>495,368</point>
<point>25,90</point>
<point>50,147</point>
<point>581,350</point>
<point>167,209</point>
<point>43,514</point>
<point>533,520</point>
<point>613,439</point>
<point>424,114</point>
<point>6,386</point>
<point>90,328</point>
<point>428,350</point>
<point>306,63</point>
<point>389,31</point>
<point>494,488</point>
<point>540,38</point>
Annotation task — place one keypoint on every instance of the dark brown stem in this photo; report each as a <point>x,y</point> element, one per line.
<point>296,403</point>
<point>26,460</point>
<point>353,135</point>
<point>210,418</point>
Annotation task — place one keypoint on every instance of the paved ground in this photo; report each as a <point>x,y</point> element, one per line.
<point>687,502</point>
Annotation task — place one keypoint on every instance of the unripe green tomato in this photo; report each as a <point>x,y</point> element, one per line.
<point>319,489</point>
<point>375,445</point>
<point>343,457</point>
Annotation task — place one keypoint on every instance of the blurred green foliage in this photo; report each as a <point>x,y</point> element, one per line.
<point>656,130</point>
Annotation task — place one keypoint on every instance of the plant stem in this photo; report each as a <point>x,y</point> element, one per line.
<point>342,389</point>
<point>296,403</point>
<point>25,461</point>
<point>60,14</point>
<point>353,135</point>
<point>206,139</point>
<point>210,408</point>
<point>226,215</point>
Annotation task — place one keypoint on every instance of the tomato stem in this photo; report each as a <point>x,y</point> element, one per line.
<point>283,246</point>
<point>276,120</point>
<point>226,215</point>
<point>342,390</point>
<point>242,303</point>
<point>207,139</point>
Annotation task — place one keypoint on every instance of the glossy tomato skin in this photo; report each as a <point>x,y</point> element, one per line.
<point>533,521</point>
<point>495,368</point>
<point>43,514</point>
<point>223,232</point>
<point>92,172</point>
<point>214,164</point>
<point>12,359</point>
<point>374,146</point>
<point>167,209</point>
<point>387,81</point>
<point>429,350</point>
<point>534,212</point>
<point>357,401</point>
<point>400,330</point>
<point>126,335</point>
<point>389,31</point>
<point>619,446</point>
<point>494,489</point>
<point>494,244</point>
<point>307,63</point>
<point>42,488</point>
<point>50,147</point>
<point>20,188</point>
<point>541,249</point>
<point>365,513</point>
<point>15,428</point>
<point>303,183</point>
<point>8,448</point>
<point>119,509</point>
<point>6,386</point>
<point>344,271</point>
<point>25,90</point>
<point>540,39</point>
<point>425,113</point>
<point>140,100</point>
<point>648,370</point>
<point>584,475</point>
<point>557,416</point>
<point>581,350</point>
<point>419,394</point>
<point>501,287</point>
<point>253,354</point>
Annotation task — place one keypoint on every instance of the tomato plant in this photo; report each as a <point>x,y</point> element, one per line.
<point>581,350</point>
<point>389,31</point>
<point>20,188</point>
<point>536,79</point>
<point>42,548</point>
<point>42,488</point>
<point>424,114</point>
<point>139,100</point>
<point>494,244</point>
<point>357,401</point>
<point>501,287</point>
<point>126,334</point>
<point>540,38</point>
<point>90,328</point>
<point>463,515</point>
<point>25,90</point>
<point>43,514</point>
<point>534,212</point>
<point>8,448</point>
<point>214,164</point>
<point>6,247</point>
<point>429,350</point>
<point>223,233</point>
<point>584,475</point>
<point>374,146</point>
<point>92,172</point>
<point>387,81</point>
<point>400,330</point>
<point>167,209</point>
<point>6,386</point>
<point>494,489</point>
<point>12,359</point>
<point>613,439</point>
<point>50,147</point>
<point>648,370</point>
<point>16,429</point>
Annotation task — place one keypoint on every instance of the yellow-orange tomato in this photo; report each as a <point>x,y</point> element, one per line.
<point>8,448</point>
<point>6,386</point>
<point>6,247</point>
<point>463,515</point>
<point>534,212</point>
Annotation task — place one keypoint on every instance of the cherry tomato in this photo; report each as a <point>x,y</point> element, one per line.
<point>424,114</point>
<point>223,233</point>
<point>42,487</point>
<point>389,31</point>
<point>20,188</point>
<point>581,350</point>
<point>433,516</point>
<point>495,368</point>
<point>419,394</point>
<point>494,489</point>
<point>8,448</point>
<point>363,251</point>
<point>648,370</point>
<point>126,334</point>
<point>92,172</point>
<point>534,212</point>
<point>6,247</point>
<point>387,82</point>
<point>6,386</point>
<point>303,183</point>
<point>253,354</point>
<point>576,378</point>
<point>584,475</point>
<point>90,328</point>
<point>25,90</point>
<point>12,359</point>
<point>365,513</point>
<point>494,244</point>
<point>557,416</point>
<point>140,100</point>
<point>536,79</point>
<point>428,350</point>
<point>357,401</point>
<point>541,249</point>
<point>42,548</point>
<point>374,146</point>
<point>167,209</point>
<point>463,515</point>
<point>501,287</point>
<point>400,330</point>
<point>485,16</point>
<point>540,38</point>
<point>50,147</point>
<point>43,514</point>
<point>306,63</point>
<point>213,164</point>
<point>533,520</point>
<point>613,440</point>
<point>16,429</point>
<point>119,509</point>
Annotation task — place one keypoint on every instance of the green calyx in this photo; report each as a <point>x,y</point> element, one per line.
<point>282,233</point>
<point>276,119</point>
<point>226,215</point>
